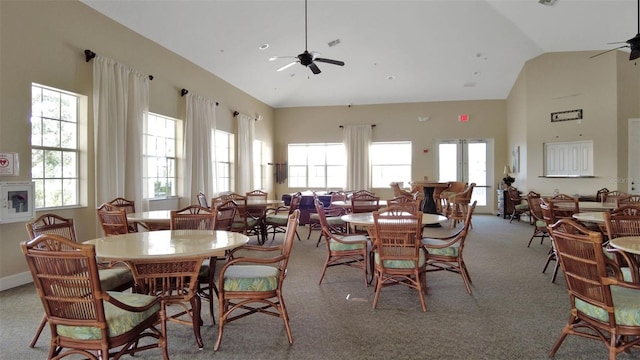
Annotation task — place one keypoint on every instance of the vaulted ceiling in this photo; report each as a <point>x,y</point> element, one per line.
<point>394,51</point>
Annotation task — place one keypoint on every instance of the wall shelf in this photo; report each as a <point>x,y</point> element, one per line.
<point>567,177</point>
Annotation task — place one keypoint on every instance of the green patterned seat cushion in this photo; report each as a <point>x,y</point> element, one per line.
<point>448,251</point>
<point>522,207</point>
<point>625,303</point>
<point>238,224</point>
<point>251,278</point>
<point>119,321</point>
<point>354,242</point>
<point>331,220</point>
<point>626,273</point>
<point>541,223</point>
<point>400,264</point>
<point>278,219</point>
<point>115,277</point>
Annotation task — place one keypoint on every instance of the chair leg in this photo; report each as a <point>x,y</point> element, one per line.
<point>39,331</point>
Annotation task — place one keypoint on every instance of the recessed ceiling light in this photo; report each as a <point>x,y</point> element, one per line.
<point>264,47</point>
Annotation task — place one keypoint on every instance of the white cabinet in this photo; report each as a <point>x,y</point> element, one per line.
<point>568,158</point>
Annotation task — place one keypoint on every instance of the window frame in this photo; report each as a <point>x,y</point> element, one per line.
<point>294,168</point>
<point>168,159</point>
<point>385,181</point>
<point>79,173</point>
<point>228,162</point>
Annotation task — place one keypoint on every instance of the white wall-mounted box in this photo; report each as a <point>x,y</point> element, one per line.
<point>16,201</point>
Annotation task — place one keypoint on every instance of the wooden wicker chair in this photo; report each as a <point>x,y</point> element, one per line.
<point>362,202</point>
<point>539,225</point>
<point>519,208</point>
<point>621,224</point>
<point>333,215</point>
<point>342,248</point>
<point>398,257</point>
<point>196,217</point>
<point>409,203</point>
<point>224,215</point>
<point>129,206</point>
<point>65,275</point>
<point>175,281</point>
<point>259,280</point>
<point>548,216</point>
<point>397,191</point>
<point>445,253</point>
<point>602,307</point>
<point>600,193</point>
<point>460,206</point>
<point>613,196</point>
<point>202,199</point>
<point>245,222</point>
<point>113,220</point>
<point>276,219</point>
<point>445,197</point>
<point>112,278</point>
<point>633,200</point>
<point>192,217</point>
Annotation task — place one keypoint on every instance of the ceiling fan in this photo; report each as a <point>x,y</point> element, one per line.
<point>307,58</point>
<point>633,43</point>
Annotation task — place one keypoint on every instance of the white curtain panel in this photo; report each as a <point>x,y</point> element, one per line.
<point>357,139</point>
<point>199,147</point>
<point>120,105</point>
<point>246,135</point>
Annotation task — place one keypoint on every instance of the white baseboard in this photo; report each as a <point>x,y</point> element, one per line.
<point>15,280</point>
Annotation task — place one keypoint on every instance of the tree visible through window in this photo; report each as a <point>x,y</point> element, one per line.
<point>224,161</point>
<point>159,156</point>
<point>54,147</point>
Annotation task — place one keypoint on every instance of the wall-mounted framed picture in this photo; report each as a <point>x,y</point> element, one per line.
<point>16,201</point>
<point>515,159</point>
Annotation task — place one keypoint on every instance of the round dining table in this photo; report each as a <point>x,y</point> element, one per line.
<point>168,257</point>
<point>366,219</point>
<point>628,244</point>
<point>595,217</point>
<point>347,203</point>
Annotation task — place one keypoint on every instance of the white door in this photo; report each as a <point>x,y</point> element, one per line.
<point>467,160</point>
<point>634,157</point>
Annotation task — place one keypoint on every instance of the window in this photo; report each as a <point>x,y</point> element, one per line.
<point>224,161</point>
<point>390,162</point>
<point>316,166</point>
<point>159,156</point>
<point>258,165</point>
<point>55,147</point>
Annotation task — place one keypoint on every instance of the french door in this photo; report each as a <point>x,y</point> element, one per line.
<point>467,160</point>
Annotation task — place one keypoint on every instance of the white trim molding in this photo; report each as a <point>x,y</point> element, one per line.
<point>15,280</point>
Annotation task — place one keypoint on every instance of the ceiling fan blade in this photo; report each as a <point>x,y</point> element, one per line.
<point>610,50</point>
<point>288,66</point>
<point>314,68</point>
<point>273,58</point>
<point>330,61</point>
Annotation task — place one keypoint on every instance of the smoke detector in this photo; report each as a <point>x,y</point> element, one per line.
<point>547,2</point>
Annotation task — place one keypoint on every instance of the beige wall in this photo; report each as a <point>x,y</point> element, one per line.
<point>556,82</point>
<point>397,122</point>
<point>43,42</point>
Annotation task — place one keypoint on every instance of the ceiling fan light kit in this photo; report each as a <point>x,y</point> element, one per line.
<point>308,58</point>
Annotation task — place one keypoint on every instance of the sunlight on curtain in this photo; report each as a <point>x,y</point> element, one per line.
<point>357,139</point>
<point>246,135</point>
<point>199,144</point>
<point>120,104</point>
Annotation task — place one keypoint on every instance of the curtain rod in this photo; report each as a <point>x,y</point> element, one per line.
<point>88,55</point>
<point>184,92</point>
<point>257,118</point>
<point>372,125</point>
